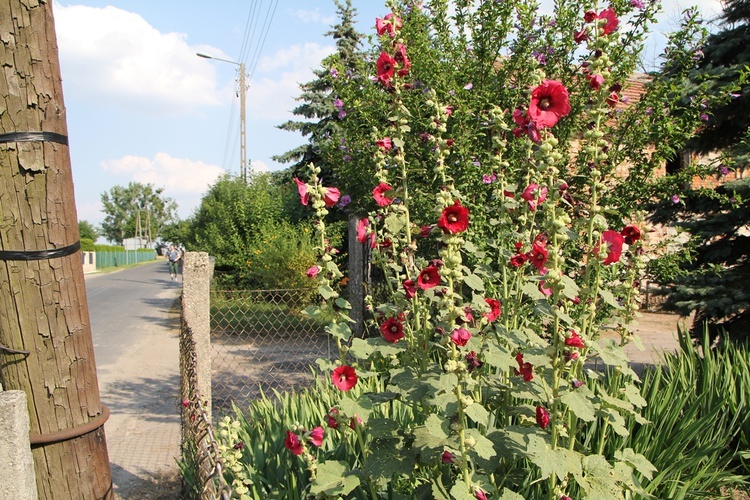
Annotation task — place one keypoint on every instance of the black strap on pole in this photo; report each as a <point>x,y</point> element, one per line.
<point>40,254</point>
<point>34,137</point>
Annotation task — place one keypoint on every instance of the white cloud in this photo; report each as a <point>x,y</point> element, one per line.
<point>312,16</point>
<point>115,54</point>
<point>176,175</point>
<point>258,166</point>
<point>272,92</point>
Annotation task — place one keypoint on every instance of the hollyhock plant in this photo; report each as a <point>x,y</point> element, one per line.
<point>524,369</point>
<point>363,229</point>
<point>472,361</point>
<point>385,144</point>
<point>392,330</point>
<point>542,417</point>
<point>574,340</point>
<point>386,68</point>
<point>549,103</point>
<point>293,443</point>
<point>454,219</point>
<point>332,418</point>
<point>344,377</point>
<point>612,241</point>
<point>312,271</point>
<point>460,336</point>
<point>315,436</point>
<point>331,196</point>
<point>380,194</point>
<point>534,195</point>
<point>538,256</point>
<point>495,309</point>
<point>410,288</point>
<point>303,189</point>
<point>447,457</point>
<point>388,24</point>
<point>428,278</point>
<point>611,23</point>
<point>630,234</point>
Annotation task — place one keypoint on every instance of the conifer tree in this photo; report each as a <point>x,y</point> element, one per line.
<point>319,107</point>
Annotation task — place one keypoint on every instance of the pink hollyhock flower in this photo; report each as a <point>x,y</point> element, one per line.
<point>595,81</point>
<point>447,457</point>
<point>331,196</point>
<point>565,497</point>
<point>549,103</point>
<point>332,418</point>
<point>612,21</point>
<point>495,309</point>
<point>388,24</point>
<point>344,377</point>
<point>316,436</point>
<point>293,443</point>
<point>355,421</point>
<point>546,291</point>
<point>613,99</point>
<point>303,189</point>
<point>379,193</point>
<point>410,288</point>
<point>524,369</point>
<point>313,271</point>
<point>400,57</point>
<point>392,330</point>
<point>479,494</point>
<point>574,340</point>
<point>542,417</point>
<point>534,195</point>
<point>363,229</point>
<point>612,241</point>
<point>454,219</point>
<point>581,36</point>
<point>631,234</point>
<point>386,66</point>
<point>472,361</point>
<point>385,143</point>
<point>428,278</point>
<point>460,336</point>
<point>538,256</point>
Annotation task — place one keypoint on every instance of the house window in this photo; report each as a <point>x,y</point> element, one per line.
<point>681,160</point>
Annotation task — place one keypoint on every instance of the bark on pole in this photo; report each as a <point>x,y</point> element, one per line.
<point>43,307</point>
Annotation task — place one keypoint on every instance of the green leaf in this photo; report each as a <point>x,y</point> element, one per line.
<point>634,396</point>
<point>325,291</point>
<point>334,478</point>
<point>383,397</point>
<point>460,491</point>
<point>580,402</point>
<point>613,355</point>
<point>499,357</point>
<point>609,298</point>
<point>342,303</point>
<point>510,495</point>
<point>560,462</point>
<point>394,223</point>
<point>399,143</point>
<point>637,461</point>
<point>598,481</point>
<point>570,289</point>
<point>361,407</point>
<point>483,447</point>
<point>386,459</point>
<point>475,282</point>
<point>339,330</point>
<point>381,427</point>
<point>477,413</point>
<point>438,427</point>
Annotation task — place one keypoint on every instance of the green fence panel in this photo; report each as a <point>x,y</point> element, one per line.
<point>116,259</point>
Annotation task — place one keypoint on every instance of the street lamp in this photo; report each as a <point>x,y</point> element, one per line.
<point>243,135</point>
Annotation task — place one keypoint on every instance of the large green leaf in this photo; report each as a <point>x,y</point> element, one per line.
<point>580,402</point>
<point>334,478</point>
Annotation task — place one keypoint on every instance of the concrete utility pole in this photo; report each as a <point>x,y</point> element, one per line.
<point>243,121</point>
<point>46,349</point>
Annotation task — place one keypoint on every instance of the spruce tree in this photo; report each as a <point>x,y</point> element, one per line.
<point>319,106</point>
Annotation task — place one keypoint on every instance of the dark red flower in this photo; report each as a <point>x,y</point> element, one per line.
<point>534,195</point>
<point>386,244</point>
<point>428,278</point>
<point>303,189</point>
<point>460,336</point>
<point>612,21</point>
<point>386,66</point>
<point>379,193</point>
<point>589,16</point>
<point>524,369</point>
<point>344,377</point>
<point>631,234</point>
<point>581,36</point>
<point>538,256</point>
<point>518,260</point>
<point>447,457</point>
<point>316,436</point>
<point>479,494</point>
<point>613,99</point>
<point>400,57</point>
<point>293,443</point>
<point>388,24</point>
<point>425,231</point>
<point>495,309</point>
<point>472,361</point>
<point>612,242</point>
<point>332,418</point>
<point>410,288</point>
<point>574,340</point>
<point>454,219</point>
<point>549,103</point>
<point>542,417</point>
<point>392,330</point>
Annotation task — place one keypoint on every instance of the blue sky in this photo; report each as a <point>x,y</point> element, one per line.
<point>141,106</point>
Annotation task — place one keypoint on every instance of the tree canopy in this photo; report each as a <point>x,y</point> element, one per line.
<point>124,206</point>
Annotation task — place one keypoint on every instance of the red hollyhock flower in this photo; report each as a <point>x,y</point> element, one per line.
<point>538,256</point>
<point>316,436</point>
<point>542,417</point>
<point>302,188</point>
<point>534,195</point>
<point>428,278</point>
<point>574,340</point>
<point>355,421</point>
<point>385,143</point>
<point>331,196</point>
<point>495,309</point>
<point>454,219</point>
<point>447,457</point>
<point>379,193</point>
<point>479,494</point>
<point>524,369</point>
<point>400,57</point>
<point>293,443</point>
<point>613,99</point>
<point>344,377</point>
<point>460,336</point>
<point>362,230</point>
<point>518,260</point>
<point>410,288</point>
<point>589,16</point>
<point>549,103</point>
<point>386,66</point>
<point>631,234</point>
<point>392,330</point>
<point>332,419</point>
<point>581,36</point>
<point>612,21</point>
<point>388,24</point>
<point>425,232</point>
<point>472,361</point>
<point>595,81</point>
<point>613,243</point>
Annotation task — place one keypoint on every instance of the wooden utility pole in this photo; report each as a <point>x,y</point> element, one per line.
<point>45,334</point>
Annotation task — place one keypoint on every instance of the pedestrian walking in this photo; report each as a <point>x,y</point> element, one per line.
<point>173,256</point>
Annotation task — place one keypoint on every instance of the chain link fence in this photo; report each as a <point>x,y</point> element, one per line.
<point>261,341</point>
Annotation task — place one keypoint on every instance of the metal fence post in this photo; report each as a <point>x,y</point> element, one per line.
<point>15,451</point>
<point>196,316</point>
